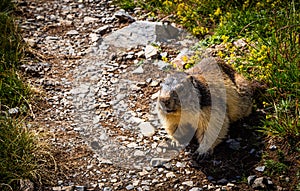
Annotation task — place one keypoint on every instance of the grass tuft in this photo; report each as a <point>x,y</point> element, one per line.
<point>22,155</point>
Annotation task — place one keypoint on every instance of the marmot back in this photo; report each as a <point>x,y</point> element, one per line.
<point>202,101</point>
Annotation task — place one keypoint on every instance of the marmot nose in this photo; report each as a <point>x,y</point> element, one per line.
<point>166,101</point>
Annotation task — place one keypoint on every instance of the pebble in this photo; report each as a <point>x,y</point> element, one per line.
<point>138,70</point>
<point>260,168</point>
<point>196,189</point>
<point>129,187</point>
<point>151,52</point>
<point>72,32</point>
<point>146,129</point>
<point>188,183</point>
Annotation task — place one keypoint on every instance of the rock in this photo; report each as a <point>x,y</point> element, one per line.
<point>162,65</point>
<point>156,162</point>
<point>102,30</point>
<point>138,153</point>
<point>132,145</point>
<point>13,111</point>
<point>222,181</point>
<point>146,129</point>
<point>233,144</point>
<point>170,175</point>
<point>123,16</point>
<point>180,165</point>
<point>88,20</point>
<point>196,189</point>
<point>140,33</point>
<point>30,41</point>
<point>260,168</point>
<point>151,52</point>
<point>139,70</point>
<point>155,95</point>
<point>273,147</point>
<point>154,83</point>
<point>260,183</point>
<point>129,187</point>
<point>107,189</point>
<point>251,179</point>
<point>94,37</point>
<point>72,32</point>
<point>240,43</point>
<point>188,183</point>
<point>79,188</point>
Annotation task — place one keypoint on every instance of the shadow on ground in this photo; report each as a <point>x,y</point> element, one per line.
<point>233,163</point>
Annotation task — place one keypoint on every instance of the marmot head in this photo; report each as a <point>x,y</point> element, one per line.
<point>179,92</point>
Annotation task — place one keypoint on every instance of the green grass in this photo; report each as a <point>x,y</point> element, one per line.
<point>22,154</point>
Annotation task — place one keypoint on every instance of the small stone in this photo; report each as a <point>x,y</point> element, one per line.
<point>188,183</point>
<point>147,129</point>
<point>155,83</point>
<point>94,37</point>
<point>239,43</point>
<point>132,145</point>
<point>196,189</point>
<point>30,41</point>
<point>129,187</point>
<point>273,147</point>
<point>260,183</point>
<point>251,179</point>
<point>180,165</point>
<point>79,188</point>
<point>13,111</point>
<point>138,153</point>
<point>155,95</point>
<point>170,175</point>
<point>162,65</point>
<point>233,144</point>
<point>107,189</point>
<point>139,70</point>
<point>114,180</point>
<point>151,52</point>
<point>148,80</point>
<point>222,181</point>
<point>57,188</point>
<point>88,20</point>
<point>123,16</point>
<point>72,32</point>
<point>155,162</point>
<point>260,168</point>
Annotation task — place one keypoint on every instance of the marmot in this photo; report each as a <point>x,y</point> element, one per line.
<point>202,101</point>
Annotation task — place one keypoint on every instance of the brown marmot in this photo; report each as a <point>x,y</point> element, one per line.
<point>202,101</point>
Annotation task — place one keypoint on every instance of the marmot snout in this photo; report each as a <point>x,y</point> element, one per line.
<point>202,101</point>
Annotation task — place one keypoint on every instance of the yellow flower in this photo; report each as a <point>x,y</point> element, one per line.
<point>220,54</point>
<point>218,12</point>
<point>168,3</point>
<point>184,59</point>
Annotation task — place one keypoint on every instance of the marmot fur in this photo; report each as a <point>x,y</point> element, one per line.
<point>202,101</point>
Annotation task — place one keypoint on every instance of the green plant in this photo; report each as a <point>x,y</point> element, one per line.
<point>274,168</point>
<point>22,155</point>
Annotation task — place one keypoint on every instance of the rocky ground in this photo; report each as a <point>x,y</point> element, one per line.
<point>97,70</point>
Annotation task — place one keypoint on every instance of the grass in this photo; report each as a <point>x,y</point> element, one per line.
<point>22,155</point>
<point>270,55</point>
